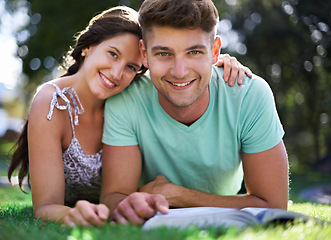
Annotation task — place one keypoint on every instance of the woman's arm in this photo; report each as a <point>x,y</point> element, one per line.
<point>46,144</point>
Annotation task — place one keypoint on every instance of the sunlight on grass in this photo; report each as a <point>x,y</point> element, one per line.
<point>321,211</point>
<point>297,231</point>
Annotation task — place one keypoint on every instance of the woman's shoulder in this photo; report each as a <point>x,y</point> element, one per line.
<point>45,92</point>
<point>41,101</point>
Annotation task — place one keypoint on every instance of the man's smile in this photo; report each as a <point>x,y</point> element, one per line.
<point>180,84</point>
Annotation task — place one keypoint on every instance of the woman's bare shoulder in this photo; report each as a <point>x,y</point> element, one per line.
<point>44,93</point>
<point>41,101</point>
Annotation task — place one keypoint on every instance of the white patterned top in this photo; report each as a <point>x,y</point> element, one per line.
<point>82,172</point>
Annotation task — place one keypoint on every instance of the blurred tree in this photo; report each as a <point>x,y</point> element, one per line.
<point>288,43</point>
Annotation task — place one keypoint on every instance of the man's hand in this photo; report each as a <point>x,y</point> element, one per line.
<point>161,185</point>
<point>232,69</point>
<point>138,207</point>
<point>157,186</point>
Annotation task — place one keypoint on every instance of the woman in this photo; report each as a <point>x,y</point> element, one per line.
<point>63,157</point>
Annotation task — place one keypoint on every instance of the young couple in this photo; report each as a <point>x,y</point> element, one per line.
<point>180,137</point>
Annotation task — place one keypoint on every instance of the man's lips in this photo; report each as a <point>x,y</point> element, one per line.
<point>180,84</point>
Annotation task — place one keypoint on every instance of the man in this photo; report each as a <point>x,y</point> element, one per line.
<point>186,134</point>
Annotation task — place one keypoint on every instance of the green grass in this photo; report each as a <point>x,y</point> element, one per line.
<point>17,222</point>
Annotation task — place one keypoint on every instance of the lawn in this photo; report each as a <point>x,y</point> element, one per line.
<point>17,222</point>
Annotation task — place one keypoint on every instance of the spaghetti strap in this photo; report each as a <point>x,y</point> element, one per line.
<point>64,94</point>
<point>82,172</point>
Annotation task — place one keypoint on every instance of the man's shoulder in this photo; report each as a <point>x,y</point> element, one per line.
<point>255,83</point>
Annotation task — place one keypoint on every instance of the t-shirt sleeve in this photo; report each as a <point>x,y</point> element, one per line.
<point>118,127</point>
<point>261,128</point>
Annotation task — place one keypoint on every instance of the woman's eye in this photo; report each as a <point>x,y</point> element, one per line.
<point>132,68</point>
<point>113,54</point>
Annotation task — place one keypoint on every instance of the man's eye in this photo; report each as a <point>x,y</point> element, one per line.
<point>195,52</point>
<point>163,54</point>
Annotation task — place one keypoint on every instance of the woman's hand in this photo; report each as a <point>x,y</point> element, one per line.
<point>233,69</point>
<point>86,214</point>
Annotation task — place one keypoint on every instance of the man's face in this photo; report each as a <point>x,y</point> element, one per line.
<point>180,63</point>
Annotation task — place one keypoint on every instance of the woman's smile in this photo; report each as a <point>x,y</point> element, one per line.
<point>106,81</point>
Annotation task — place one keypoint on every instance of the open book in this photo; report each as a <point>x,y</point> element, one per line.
<point>226,217</point>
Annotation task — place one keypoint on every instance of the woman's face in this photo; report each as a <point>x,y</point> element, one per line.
<point>110,66</point>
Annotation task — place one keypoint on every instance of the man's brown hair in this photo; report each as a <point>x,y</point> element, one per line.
<point>190,14</point>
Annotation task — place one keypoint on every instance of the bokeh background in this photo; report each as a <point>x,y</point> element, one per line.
<point>287,42</point>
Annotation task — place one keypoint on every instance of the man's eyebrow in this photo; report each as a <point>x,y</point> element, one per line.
<point>157,48</point>
<point>163,48</point>
<point>196,47</point>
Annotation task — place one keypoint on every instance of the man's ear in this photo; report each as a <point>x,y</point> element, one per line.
<point>216,49</point>
<point>143,52</point>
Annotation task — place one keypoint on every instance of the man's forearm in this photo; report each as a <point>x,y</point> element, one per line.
<point>266,180</point>
<point>185,197</point>
<point>179,196</point>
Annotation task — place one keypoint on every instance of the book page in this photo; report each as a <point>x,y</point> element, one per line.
<point>193,211</point>
<point>265,215</point>
<point>201,217</point>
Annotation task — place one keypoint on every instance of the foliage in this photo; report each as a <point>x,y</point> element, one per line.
<point>288,44</point>
<point>5,146</point>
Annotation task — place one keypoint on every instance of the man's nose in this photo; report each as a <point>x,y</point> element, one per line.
<point>179,69</point>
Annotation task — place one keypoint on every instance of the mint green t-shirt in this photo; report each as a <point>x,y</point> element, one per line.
<point>206,155</point>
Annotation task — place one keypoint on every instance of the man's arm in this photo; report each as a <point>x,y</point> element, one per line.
<point>266,179</point>
<point>121,169</point>
<point>266,176</point>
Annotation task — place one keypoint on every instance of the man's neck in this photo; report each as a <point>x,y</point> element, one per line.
<point>187,115</point>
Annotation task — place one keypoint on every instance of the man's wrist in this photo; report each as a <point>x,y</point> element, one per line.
<point>177,196</point>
